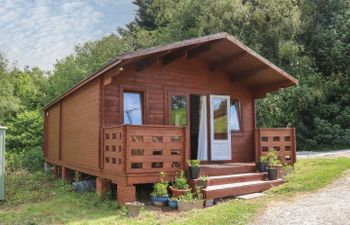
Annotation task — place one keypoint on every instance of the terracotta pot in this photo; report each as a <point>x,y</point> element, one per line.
<point>133,209</point>
<point>177,192</point>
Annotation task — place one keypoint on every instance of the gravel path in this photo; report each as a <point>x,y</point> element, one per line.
<point>328,206</point>
<point>312,154</point>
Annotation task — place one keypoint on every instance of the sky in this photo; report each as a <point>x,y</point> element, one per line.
<point>39,32</point>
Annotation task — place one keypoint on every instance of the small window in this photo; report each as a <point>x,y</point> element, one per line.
<point>235,117</point>
<point>157,139</point>
<point>175,152</point>
<point>137,151</point>
<point>157,152</point>
<point>133,108</point>
<point>136,165</point>
<point>176,139</point>
<point>136,139</point>
<point>157,165</point>
<point>178,111</point>
<point>175,164</point>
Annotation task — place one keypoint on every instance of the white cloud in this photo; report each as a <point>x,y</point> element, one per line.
<point>37,33</point>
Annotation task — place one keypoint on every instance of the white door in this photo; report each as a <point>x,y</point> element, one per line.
<point>220,134</point>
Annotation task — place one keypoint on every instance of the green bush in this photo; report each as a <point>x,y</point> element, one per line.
<point>31,159</point>
<point>24,142</point>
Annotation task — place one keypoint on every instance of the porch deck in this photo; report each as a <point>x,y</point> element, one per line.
<point>141,152</point>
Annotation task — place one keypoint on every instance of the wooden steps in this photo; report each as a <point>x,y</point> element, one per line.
<point>233,179</point>
<point>227,169</point>
<point>241,188</point>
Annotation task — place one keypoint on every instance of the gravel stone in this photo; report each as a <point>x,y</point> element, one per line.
<point>328,206</point>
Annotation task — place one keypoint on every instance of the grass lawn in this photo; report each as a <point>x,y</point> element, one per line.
<point>40,199</point>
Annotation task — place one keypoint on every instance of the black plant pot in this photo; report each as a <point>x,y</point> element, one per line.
<point>193,172</point>
<point>272,173</point>
<point>262,166</point>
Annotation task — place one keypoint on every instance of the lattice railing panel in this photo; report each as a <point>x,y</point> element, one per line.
<point>281,139</point>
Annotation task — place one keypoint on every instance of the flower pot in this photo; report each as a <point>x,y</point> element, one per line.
<point>172,204</point>
<point>272,173</point>
<point>177,192</point>
<point>187,206</point>
<point>198,204</point>
<point>184,206</point>
<point>159,200</point>
<point>262,167</point>
<point>193,172</point>
<point>133,209</point>
<point>202,184</point>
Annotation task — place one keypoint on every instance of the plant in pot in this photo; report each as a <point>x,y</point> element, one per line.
<point>262,166</point>
<point>180,185</point>
<point>173,202</point>
<point>133,208</point>
<point>202,182</point>
<point>273,164</point>
<point>159,196</point>
<point>193,168</point>
<point>190,200</point>
<point>287,169</point>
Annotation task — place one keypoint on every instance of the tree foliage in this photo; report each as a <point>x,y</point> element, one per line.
<point>308,38</point>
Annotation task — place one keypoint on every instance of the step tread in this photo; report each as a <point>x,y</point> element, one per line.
<point>235,175</point>
<point>227,165</point>
<point>239,184</point>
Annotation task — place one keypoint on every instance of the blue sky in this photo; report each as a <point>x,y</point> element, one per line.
<point>38,32</point>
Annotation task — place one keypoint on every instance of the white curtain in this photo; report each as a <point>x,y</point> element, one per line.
<point>203,130</point>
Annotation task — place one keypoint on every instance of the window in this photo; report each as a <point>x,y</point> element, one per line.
<point>178,111</point>
<point>235,116</point>
<point>133,108</point>
<point>220,118</point>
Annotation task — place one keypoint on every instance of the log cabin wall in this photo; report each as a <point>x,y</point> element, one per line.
<point>53,126</point>
<point>184,77</point>
<point>80,127</point>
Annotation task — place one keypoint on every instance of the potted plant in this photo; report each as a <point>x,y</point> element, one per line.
<point>159,196</point>
<point>133,208</point>
<point>193,168</point>
<point>173,202</point>
<point>180,185</point>
<point>273,164</point>
<point>287,169</point>
<point>202,182</point>
<point>190,200</point>
<point>262,165</point>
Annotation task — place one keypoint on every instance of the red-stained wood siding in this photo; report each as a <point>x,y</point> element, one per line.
<point>183,77</point>
<point>53,123</point>
<point>80,127</point>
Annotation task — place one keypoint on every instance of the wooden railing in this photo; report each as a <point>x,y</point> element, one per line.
<point>133,149</point>
<point>283,140</point>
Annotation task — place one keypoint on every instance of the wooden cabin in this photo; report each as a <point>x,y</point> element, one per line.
<point>151,110</point>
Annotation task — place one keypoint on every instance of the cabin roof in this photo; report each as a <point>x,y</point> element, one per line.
<point>220,52</point>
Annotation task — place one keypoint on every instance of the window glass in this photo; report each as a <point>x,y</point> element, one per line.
<point>235,121</point>
<point>220,118</point>
<point>178,111</point>
<point>132,108</point>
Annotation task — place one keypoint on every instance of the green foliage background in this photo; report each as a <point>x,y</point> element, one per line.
<point>308,38</point>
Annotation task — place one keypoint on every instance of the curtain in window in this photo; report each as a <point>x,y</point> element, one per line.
<point>203,130</point>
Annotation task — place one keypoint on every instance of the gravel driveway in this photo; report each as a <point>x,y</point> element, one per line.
<point>328,206</point>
